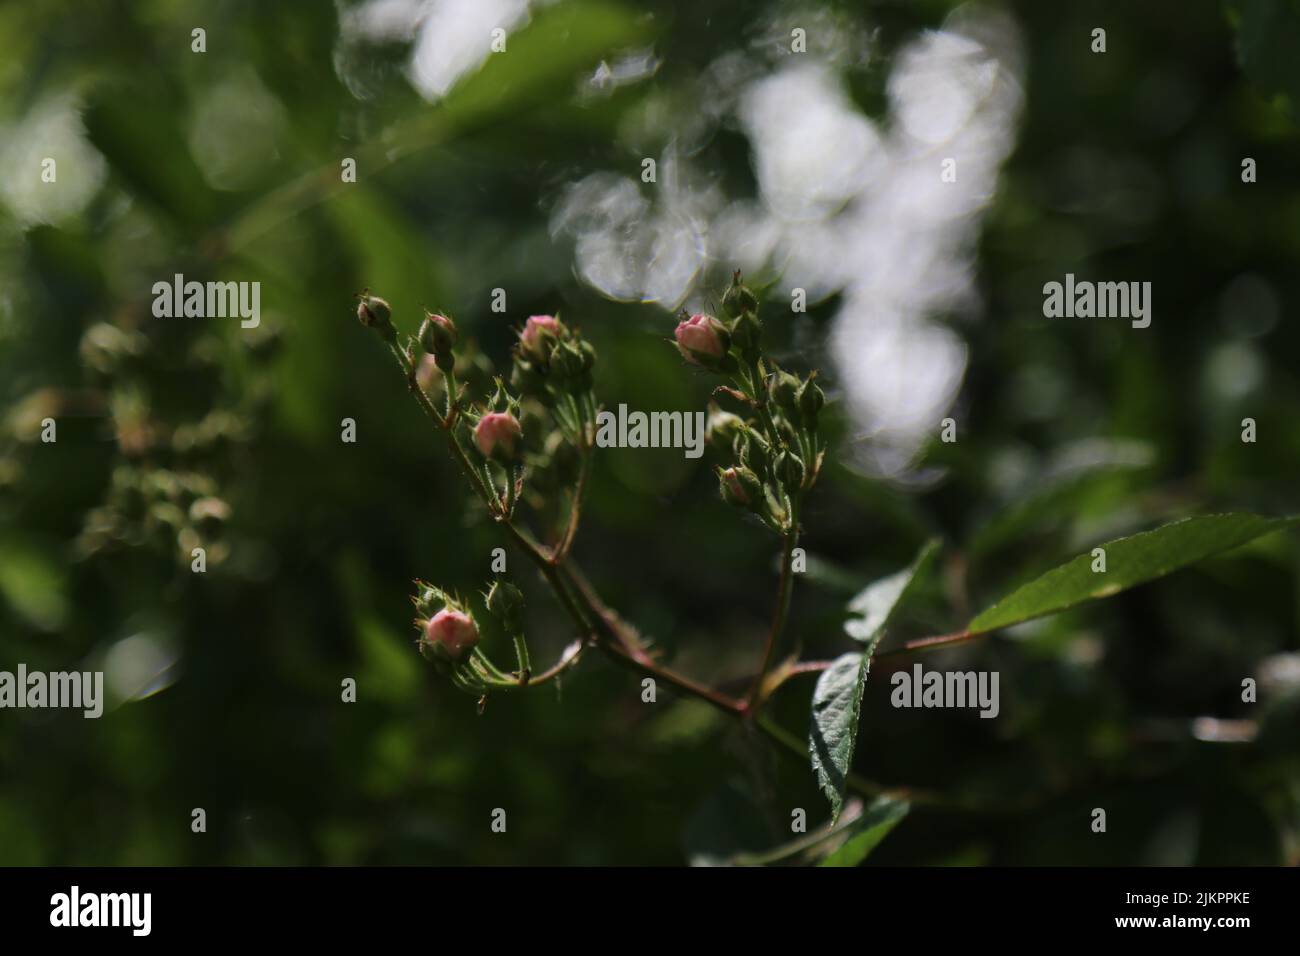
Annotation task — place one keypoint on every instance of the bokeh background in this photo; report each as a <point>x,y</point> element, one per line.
<point>522,170</point>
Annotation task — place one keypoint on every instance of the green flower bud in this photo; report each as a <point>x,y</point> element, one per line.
<point>785,394</point>
<point>756,453</point>
<point>789,436</point>
<point>775,510</point>
<point>739,299</point>
<point>723,428</point>
<point>811,401</point>
<point>747,334</point>
<point>375,313</point>
<point>506,604</point>
<point>567,363</point>
<point>789,471</point>
<point>438,337</point>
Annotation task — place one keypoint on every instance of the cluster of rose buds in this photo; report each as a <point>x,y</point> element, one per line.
<point>551,391</point>
<point>552,363</point>
<point>552,371</point>
<point>777,451</point>
<point>538,432</point>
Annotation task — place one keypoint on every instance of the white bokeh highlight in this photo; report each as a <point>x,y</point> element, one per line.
<point>846,205</point>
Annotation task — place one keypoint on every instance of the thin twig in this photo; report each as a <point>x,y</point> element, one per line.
<point>754,698</point>
<point>575,510</point>
<point>928,643</point>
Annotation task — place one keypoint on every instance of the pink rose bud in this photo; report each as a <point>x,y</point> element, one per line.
<point>734,487</point>
<point>453,629</point>
<point>437,333</point>
<point>702,339</point>
<point>497,434</point>
<point>540,331</point>
<point>740,487</point>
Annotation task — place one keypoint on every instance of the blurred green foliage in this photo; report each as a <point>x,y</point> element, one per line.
<point>225,166</point>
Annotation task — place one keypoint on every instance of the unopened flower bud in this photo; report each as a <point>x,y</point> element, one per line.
<point>583,380</point>
<point>747,335</point>
<point>539,334</point>
<point>377,314</point>
<point>740,486</point>
<point>811,401</point>
<point>506,603</point>
<point>451,631</point>
<point>437,334</point>
<point>756,453</point>
<point>703,340</point>
<point>790,471</point>
<point>723,427</point>
<point>785,393</point>
<point>739,299</point>
<point>567,362</point>
<point>498,436</point>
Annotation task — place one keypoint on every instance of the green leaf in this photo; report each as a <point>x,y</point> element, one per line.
<point>837,699</point>
<point>545,58</point>
<point>829,845</point>
<point>867,831</point>
<point>875,604</point>
<point>1129,561</point>
<point>836,707</point>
